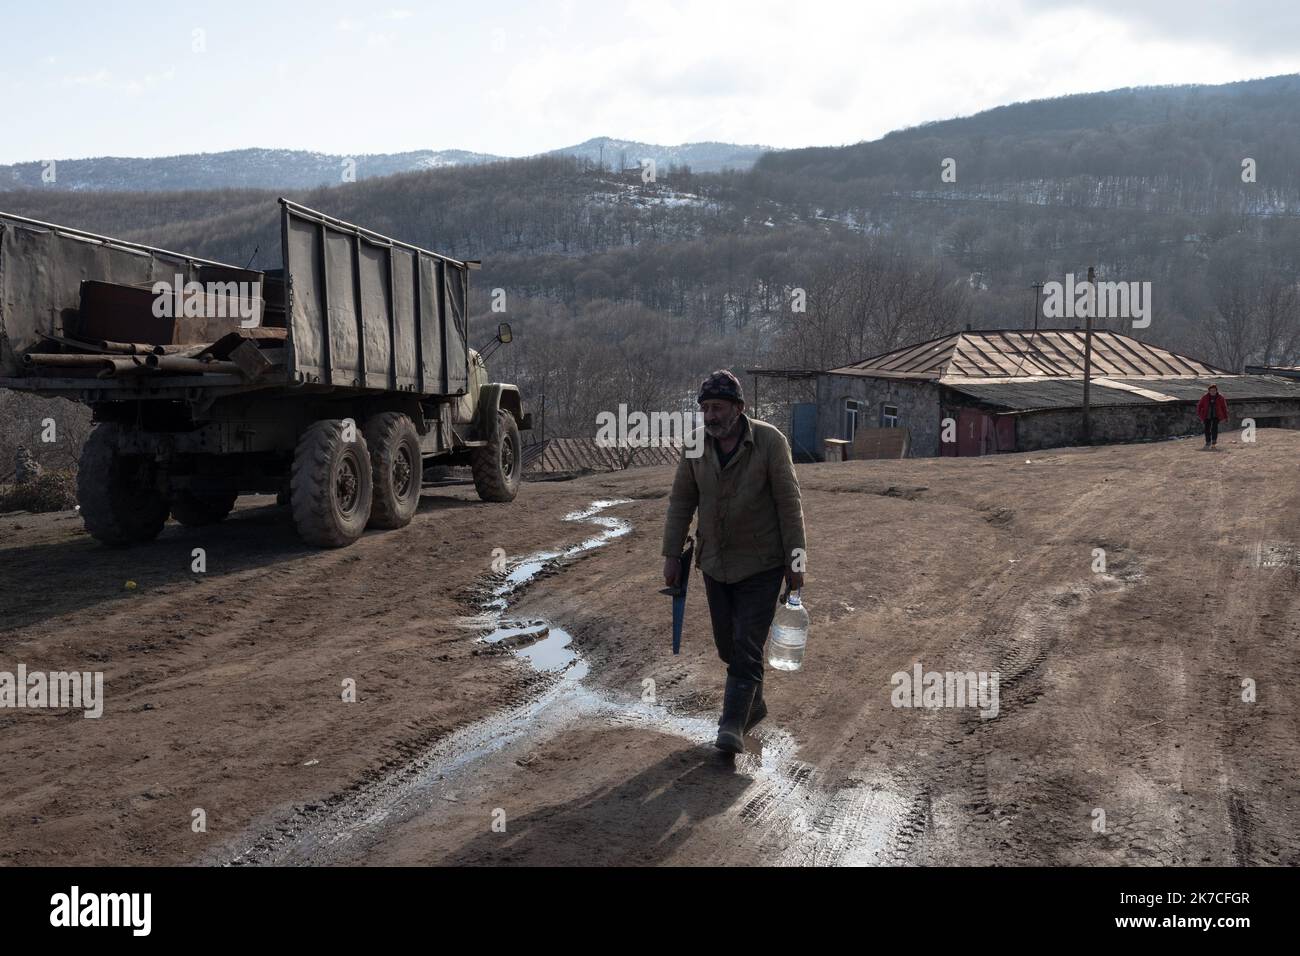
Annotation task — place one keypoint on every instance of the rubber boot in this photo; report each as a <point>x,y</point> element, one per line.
<point>736,704</point>
<point>757,710</point>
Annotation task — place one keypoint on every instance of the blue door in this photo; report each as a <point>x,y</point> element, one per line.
<point>803,431</point>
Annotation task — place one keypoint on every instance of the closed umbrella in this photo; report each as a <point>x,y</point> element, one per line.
<point>678,594</point>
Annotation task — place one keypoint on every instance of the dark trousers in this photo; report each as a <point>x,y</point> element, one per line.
<point>1211,430</point>
<point>742,613</point>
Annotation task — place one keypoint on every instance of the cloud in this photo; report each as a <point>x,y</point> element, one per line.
<point>812,73</point>
<point>100,79</point>
<point>148,81</point>
<point>532,77</point>
<point>1242,27</point>
<point>106,80</point>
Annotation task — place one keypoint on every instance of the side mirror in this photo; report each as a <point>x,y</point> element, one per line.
<point>503,333</point>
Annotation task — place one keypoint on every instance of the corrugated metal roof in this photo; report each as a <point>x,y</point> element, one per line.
<point>1046,393</point>
<point>556,455</point>
<point>1037,394</point>
<point>1235,388</point>
<point>1015,353</point>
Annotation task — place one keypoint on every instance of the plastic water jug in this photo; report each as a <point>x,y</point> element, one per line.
<point>789,634</point>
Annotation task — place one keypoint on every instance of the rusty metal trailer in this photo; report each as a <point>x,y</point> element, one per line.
<point>332,381</point>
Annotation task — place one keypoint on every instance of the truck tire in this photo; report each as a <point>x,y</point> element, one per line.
<point>398,469</point>
<point>195,511</point>
<point>118,506</point>
<point>498,467</point>
<point>331,488</point>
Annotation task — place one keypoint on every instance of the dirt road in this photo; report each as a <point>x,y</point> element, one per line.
<point>535,714</point>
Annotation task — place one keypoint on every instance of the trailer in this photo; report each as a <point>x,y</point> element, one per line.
<point>332,381</point>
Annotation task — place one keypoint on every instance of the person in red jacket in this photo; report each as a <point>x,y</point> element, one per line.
<point>1212,409</point>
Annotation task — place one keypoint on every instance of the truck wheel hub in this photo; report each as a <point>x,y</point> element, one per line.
<point>402,472</point>
<point>346,486</point>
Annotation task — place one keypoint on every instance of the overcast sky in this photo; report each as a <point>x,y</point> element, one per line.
<point>516,78</point>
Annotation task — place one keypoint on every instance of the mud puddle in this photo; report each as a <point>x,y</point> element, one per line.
<point>784,813</point>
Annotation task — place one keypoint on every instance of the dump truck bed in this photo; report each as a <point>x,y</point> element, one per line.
<point>350,310</point>
<point>367,311</point>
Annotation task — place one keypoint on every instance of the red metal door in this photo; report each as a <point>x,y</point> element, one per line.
<point>1005,433</point>
<point>973,428</point>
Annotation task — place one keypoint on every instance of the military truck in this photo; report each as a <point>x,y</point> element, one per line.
<point>332,381</point>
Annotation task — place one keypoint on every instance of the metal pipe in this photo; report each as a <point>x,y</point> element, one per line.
<point>154,364</point>
<point>177,363</point>
<point>131,348</point>
<point>118,365</point>
<point>103,345</point>
<point>65,361</point>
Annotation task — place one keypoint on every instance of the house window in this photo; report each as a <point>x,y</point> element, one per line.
<point>851,409</point>
<point>889,416</point>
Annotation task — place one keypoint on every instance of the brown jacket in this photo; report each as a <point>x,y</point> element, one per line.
<point>751,519</point>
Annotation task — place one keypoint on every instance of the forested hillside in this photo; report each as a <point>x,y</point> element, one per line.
<point>619,287</point>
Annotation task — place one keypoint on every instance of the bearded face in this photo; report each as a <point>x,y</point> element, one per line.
<point>720,417</point>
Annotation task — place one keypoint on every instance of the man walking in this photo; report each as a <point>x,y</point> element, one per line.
<point>1212,409</point>
<point>750,537</point>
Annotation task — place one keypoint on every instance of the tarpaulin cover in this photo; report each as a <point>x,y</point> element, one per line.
<point>41,270</point>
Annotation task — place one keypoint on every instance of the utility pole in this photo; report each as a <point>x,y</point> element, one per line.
<point>1087,352</point>
<point>1038,309</point>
